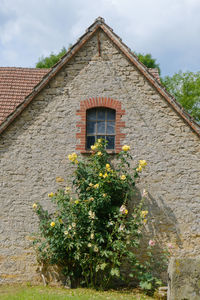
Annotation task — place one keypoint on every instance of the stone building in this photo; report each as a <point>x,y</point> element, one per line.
<point>43,117</point>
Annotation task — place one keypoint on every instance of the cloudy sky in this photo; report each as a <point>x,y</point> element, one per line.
<point>168,29</point>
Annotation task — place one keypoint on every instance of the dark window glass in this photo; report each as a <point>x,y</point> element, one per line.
<point>111,127</point>
<point>111,141</point>
<point>90,141</point>
<point>91,114</point>
<point>100,124</point>
<point>111,115</point>
<point>101,114</point>
<point>101,127</point>
<point>91,127</point>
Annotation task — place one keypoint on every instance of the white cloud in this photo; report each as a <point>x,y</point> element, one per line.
<point>168,29</point>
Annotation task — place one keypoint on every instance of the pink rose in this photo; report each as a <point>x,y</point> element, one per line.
<point>170,246</point>
<point>152,243</point>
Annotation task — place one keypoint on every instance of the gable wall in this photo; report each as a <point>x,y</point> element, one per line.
<point>34,149</point>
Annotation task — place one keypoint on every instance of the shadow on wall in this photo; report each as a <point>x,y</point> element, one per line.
<point>161,227</point>
<point>162,224</point>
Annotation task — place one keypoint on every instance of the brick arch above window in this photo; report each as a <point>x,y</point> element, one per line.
<point>99,102</point>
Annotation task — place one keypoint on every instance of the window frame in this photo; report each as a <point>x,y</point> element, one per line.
<point>82,120</point>
<point>97,120</point>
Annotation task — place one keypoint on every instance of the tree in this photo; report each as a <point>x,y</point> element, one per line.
<point>185,87</point>
<point>52,59</point>
<point>148,60</point>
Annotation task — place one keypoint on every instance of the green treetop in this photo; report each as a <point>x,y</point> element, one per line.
<point>49,61</point>
<point>148,61</point>
<point>185,87</point>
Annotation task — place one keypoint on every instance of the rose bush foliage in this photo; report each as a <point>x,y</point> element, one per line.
<point>92,233</point>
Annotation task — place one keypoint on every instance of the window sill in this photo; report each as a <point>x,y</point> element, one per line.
<point>90,152</point>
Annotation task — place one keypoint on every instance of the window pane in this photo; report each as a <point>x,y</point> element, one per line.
<point>101,114</point>
<point>111,114</point>
<point>100,137</point>
<point>91,114</point>
<point>101,127</point>
<point>100,124</point>
<point>90,141</point>
<point>91,127</point>
<point>111,142</point>
<point>110,127</point>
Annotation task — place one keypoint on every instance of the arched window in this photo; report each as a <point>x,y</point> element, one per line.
<point>100,123</point>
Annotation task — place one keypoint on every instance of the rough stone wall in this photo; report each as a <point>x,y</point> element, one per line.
<point>184,279</point>
<point>34,149</point>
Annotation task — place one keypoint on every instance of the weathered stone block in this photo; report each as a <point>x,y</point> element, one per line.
<point>184,279</point>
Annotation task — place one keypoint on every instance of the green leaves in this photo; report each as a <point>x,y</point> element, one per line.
<point>145,285</point>
<point>91,231</point>
<point>52,59</point>
<point>148,61</point>
<point>185,87</point>
<point>115,272</point>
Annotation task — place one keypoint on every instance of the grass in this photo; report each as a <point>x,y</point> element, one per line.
<point>18,292</point>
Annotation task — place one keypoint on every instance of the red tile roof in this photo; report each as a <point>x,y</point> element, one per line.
<point>15,85</point>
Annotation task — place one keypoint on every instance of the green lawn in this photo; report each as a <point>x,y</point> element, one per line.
<point>53,293</point>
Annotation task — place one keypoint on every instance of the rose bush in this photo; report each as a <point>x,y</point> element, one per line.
<point>92,233</point>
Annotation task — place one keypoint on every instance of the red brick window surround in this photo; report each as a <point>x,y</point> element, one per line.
<point>87,104</point>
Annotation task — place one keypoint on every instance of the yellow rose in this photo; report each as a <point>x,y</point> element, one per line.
<point>93,147</point>
<point>91,214</point>
<point>51,194</point>
<point>34,206</point>
<point>99,153</point>
<point>142,163</point>
<point>123,177</point>
<point>96,249</point>
<point>105,175</point>
<point>126,148</point>
<point>90,184</point>
<point>76,201</point>
<point>73,157</point>
<point>145,221</point>
<point>144,213</point>
<point>100,174</point>
<point>108,167</point>
<point>104,195</point>
<point>91,199</point>
<point>96,186</point>
<point>99,141</point>
<point>59,179</point>
<point>123,210</point>
<point>139,169</point>
<point>67,189</point>
<point>53,224</point>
